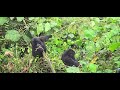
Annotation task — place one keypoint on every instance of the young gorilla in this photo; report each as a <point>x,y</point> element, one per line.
<point>38,45</point>
<point>69,59</point>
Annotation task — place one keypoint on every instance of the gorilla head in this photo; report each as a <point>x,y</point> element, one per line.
<point>38,45</point>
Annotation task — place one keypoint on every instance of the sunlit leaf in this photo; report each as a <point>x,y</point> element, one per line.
<point>92,67</point>
<point>114,46</point>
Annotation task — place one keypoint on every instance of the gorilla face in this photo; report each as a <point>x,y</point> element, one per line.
<point>38,45</point>
<point>69,59</point>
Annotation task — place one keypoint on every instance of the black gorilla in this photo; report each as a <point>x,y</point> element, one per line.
<point>38,45</point>
<point>69,59</point>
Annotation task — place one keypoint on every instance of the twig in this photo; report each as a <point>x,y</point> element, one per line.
<point>49,62</point>
<point>47,59</point>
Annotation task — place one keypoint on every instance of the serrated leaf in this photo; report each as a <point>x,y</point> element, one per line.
<point>47,27</point>
<point>3,20</point>
<point>19,19</point>
<point>73,70</point>
<point>12,35</point>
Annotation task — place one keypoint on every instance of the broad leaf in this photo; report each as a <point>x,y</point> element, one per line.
<point>92,67</point>
<point>12,35</point>
<point>114,46</point>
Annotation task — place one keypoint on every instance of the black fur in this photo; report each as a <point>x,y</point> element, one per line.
<point>69,59</point>
<point>38,45</point>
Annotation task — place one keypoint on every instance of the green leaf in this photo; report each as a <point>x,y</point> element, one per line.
<point>12,35</point>
<point>3,20</point>
<point>47,27</point>
<point>57,42</point>
<point>92,67</point>
<point>73,70</point>
<point>114,46</point>
<point>19,19</point>
<point>89,34</point>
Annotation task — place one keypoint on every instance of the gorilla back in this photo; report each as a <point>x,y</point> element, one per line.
<point>69,59</point>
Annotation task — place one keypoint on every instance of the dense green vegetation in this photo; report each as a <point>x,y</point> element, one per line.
<point>95,40</point>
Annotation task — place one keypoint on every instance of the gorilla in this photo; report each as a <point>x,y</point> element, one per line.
<point>69,59</point>
<point>38,45</point>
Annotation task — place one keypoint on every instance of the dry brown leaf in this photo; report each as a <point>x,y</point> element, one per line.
<point>9,54</point>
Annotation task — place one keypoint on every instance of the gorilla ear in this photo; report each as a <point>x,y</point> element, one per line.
<point>45,38</point>
<point>41,34</point>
